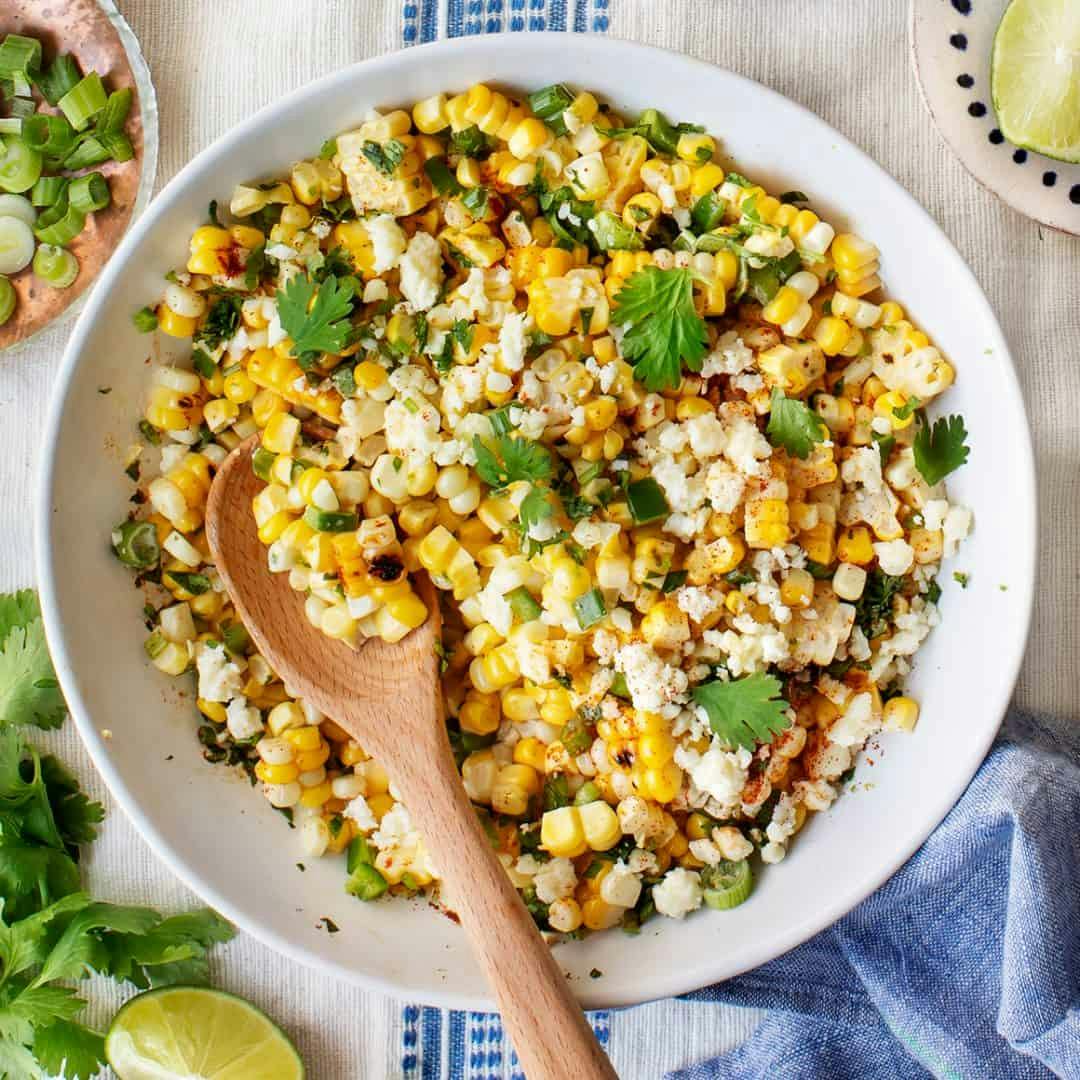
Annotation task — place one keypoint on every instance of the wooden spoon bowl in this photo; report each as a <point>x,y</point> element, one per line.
<point>389,698</point>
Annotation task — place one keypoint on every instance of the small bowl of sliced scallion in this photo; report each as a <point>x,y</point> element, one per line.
<point>78,149</point>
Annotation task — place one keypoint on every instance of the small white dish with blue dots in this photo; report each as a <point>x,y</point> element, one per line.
<point>951,42</point>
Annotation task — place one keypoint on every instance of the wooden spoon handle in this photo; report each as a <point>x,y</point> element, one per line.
<point>549,1031</point>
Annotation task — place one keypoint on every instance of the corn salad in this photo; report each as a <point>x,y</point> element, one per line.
<point>651,431</point>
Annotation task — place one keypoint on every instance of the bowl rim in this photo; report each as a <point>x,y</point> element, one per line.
<point>660,985</point>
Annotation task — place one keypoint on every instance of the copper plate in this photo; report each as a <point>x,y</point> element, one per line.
<point>91,32</point>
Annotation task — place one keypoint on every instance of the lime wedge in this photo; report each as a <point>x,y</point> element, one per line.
<point>1035,76</point>
<point>191,1033</point>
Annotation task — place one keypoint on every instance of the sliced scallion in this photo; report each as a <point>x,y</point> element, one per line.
<point>62,75</point>
<point>115,113</point>
<point>89,193</point>
<point>17,206</point>
<point>366,883</point>
<point>20,166</point>
<point>7,300</point>
<point>21,107</point>
<point>52,136</point>
<point>726,884</point>
<point>49,190</point>
<point>262,461</point>
<point>84,100</point>
<point>196,584</point>
<point>19,55</point>
<point>523,604</point>
<point>549,103</point>
<point>16,245</point>
<point>136,544</point>
<point>89,151</point>
<point>11,125</point>
<point>64,230</point>
<point>330,520</point>
<point>117,145</point>
<point>56,266</point>
<point>236,638</point>
<point>590,608</point>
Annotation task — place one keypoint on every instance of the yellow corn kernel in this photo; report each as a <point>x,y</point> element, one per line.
<point>532,752</point>
<point>212,710</point>
<point>889,405</point>
<point>601,414</point>
<point>562,833</point>
<point>782,306</point>
<point>312,759</point>
<point>513,786</point>
<point>178,326</point>
<point>832,334</point>
<point>495,670</point>
<point>600,825</point>
<point>797,589</point>
<point>557,707</point>
<point>380,805</point>
<point>705,179</point>
<point>528,137</point>
<point>690,407</point>
<point>281,433</point>
<point>480,714</point>
<point>696,147</point>
<point>766,524</point>
<point>314,797</point>
<point>660,784</point>
<point>275,526</point>
<point>656,748</point>
<point>429,115</point>
<point>850,252</point>
<point>804,221</point>
<point>598,914</point>
<point>276,774</point>
<point>666,625</point>
<point>900,714</point>
<point>239,388</point>
<point>855,546</point>
<point>519,705</point>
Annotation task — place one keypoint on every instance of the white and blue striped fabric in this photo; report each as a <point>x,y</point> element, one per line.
<point>965,964</point>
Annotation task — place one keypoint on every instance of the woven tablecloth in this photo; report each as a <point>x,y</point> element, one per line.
<point>214,63</point>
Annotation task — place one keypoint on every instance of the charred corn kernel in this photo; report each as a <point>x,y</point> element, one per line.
<point>850,252</point>
<point>832,334</point>
<point>562,833</point>
<point>280,434</point>
<point>479,714</point>
<point>900,714</point>
<point>855,546</point>
<point>678,846</point>
<point>797,589</point>
<point>276,774</point>
<point>891,406</point>
<point>766,524</point>
<point>532,752</point>
<point>928,545</point>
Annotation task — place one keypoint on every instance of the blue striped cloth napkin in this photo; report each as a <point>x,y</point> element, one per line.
<point>965,964</point>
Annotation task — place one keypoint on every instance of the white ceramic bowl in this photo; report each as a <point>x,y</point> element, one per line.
<point>224,840</point>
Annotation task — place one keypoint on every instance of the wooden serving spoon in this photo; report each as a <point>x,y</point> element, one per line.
<point>389,698</point>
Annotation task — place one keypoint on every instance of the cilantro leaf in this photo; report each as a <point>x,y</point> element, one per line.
<point>28,689</point>
<point>386,157</point>
<point>873,610</point>
<point>32,876</point>
<point>794,425</point>
<point>79,948</point>
<point>172,952</point>
<point>512,459</point>
<point>17,1060</point>
<point>664,330</point>
<point>941,449</point>
<point>744,712</point>
<point>534,508</point>
<point>22,944</point>
<point>71,1050</point>
<point>325,328</point>
<point>222,321</point>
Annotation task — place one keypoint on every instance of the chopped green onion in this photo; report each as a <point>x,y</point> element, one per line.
<point>646,500</point>
<point>145,320</point>
<point>549,103</point>
<point>115,113</point>
<point>20,84</point>
<point>21,107</point>
<point>49,190</point>
<point>117,145</point>
<point>85,99</point>
<point>707,213</point>
<point>52,136</point>
<point>56,266</point>
<point>19,54</point>
<point>618,687</point>
<point>20,166</point>
<point>7,300</point>
<point>236,638</point>
<point>587,793</point>
<point>90,151</point>
<point>673,580</point>
<point>330,520</point>
<point>135,544</point>
<point>262,461</point>
<point>16,245</point>
<point>62,75</point>
<point>523,604</point>
<point>328,149</point>
<point>726,884</point>
<point>366,883</point>
<point>89,193</point>
<point>359,853</point>
<point>611,234</point>
<point>202,363</point>
<point>18,206</point>
<point>590,608</point>
<point>52,214</point>
<point>63,231</point>
<point>11,125</point>
<point>155,644</point>
<point>196,584</point>
<point>443,180</point>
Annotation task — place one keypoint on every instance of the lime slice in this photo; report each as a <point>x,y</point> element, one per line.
<point>1035,76</point>
<point>191,1033</point>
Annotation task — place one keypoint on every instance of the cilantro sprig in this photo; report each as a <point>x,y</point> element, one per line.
<point>744,712</point>
<point>794,425</point>
<point>323,328</point>
<point>940,449</point>
<point>664,331</point>
<point>509,459</point>
<point>29,692</point>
